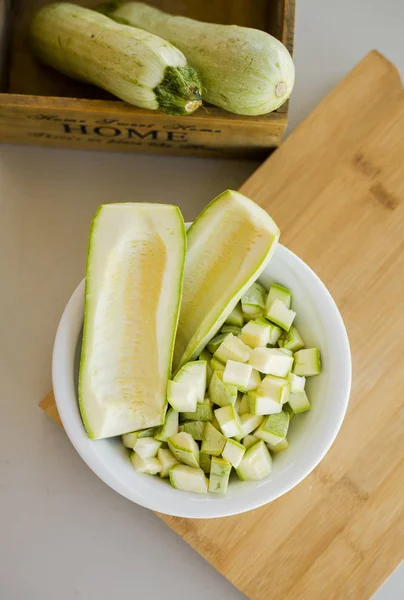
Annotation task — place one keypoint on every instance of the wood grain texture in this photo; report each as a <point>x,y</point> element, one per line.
<point>35,90</point>
<point>336,189</point>
<point>114,125</point>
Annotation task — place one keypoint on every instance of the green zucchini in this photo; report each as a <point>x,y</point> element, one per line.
<point>134,65</point>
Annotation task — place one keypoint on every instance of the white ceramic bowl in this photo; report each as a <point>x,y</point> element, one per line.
<point>310,436</point>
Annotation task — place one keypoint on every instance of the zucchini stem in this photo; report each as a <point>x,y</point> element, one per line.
<point>180,92</point>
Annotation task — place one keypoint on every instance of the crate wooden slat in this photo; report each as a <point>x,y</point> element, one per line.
<point>44,107</point>
<point>336,189</point>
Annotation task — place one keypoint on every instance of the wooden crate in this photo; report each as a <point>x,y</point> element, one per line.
<point>40,106</point>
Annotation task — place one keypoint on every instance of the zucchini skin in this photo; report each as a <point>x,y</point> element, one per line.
<point>134,65</point>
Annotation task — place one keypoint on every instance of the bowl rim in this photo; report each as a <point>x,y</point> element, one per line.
<point>64,389</point>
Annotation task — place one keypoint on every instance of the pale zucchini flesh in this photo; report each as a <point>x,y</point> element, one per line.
<point>256,463</point>
<point>222,393</point>
<point>280,315</point>
<point>307,362</point>
<point>151,466</point>
<point>167,460</point>
<point>188,479</point>
<point>184,448</point>
<point>147,447</point>
<point>233,452</point>
<point>193,374</point>
<point>194,428</point>
<point>236,317</point>
<point>232,348</point>
<point>229,421</point>
<point>203,412</point>
<point>213,441</point>
<point>133,289</point>
<point>219,475</point>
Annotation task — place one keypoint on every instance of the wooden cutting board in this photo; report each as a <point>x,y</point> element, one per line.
<point>336,189</point>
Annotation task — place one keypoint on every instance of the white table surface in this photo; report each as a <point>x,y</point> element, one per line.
<point>63,534</point>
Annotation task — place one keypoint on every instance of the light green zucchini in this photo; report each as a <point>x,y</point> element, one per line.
<point>133,64</point>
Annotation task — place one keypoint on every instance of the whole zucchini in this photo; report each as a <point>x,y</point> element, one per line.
<point>243,70</point>
<point>131,63</point>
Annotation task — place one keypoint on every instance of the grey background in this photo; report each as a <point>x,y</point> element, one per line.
<point>63,534</point>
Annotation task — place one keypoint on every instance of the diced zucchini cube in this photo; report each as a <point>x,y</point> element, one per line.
<point>221,393</point>
<point>262,405</point>
<point>280,315</point>
<point>256,463</point>
<point>286,351</point>
<point>296,383</point>
<point>271,361</point>
<point>250,440</point>
<point>181,396</point>
<point>250,422</point>
<point>307,362</point>
<point>299,402</point>
<point>215,422</point>
<point>207,356</point>
<point>193,374</point>
<point>287,408</point>
<point>236,316</point>
<point>238,401</point>
<point>205,462</point>
<point>269,397</point>
<point>253,301</point>
<point>194,428</point>
<point>229,421</point>
<point>167,460</point>
<point>147,447</point>
<point>147,432</point>
<point>213,441</point>
<point>169,428</point>
<point>278,292</point>
<point>233,452</point>
<point>184,448</point>
<point>188,479</point>
<point>256,333</point>
<point>279,446</point>
<point>203,412</point>
<point>254,296</point>
<point>129,439</point>
<point>274,428</point>
<point>244,405</point>
<point>293,340</point>
<point>151,466</point>
<point>275,334</point>
<point>237,374</point>
<point>271,386</point>
<point>216,365</point>
<point>253,383</point>
<point>219,475</point>
<point>232,348</point>
<point>230,329</point>
<point>215,342</point>
<point>252,312</point>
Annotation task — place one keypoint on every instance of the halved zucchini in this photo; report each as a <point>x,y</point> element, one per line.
<point>134,274</point>
<point>229,245</point>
